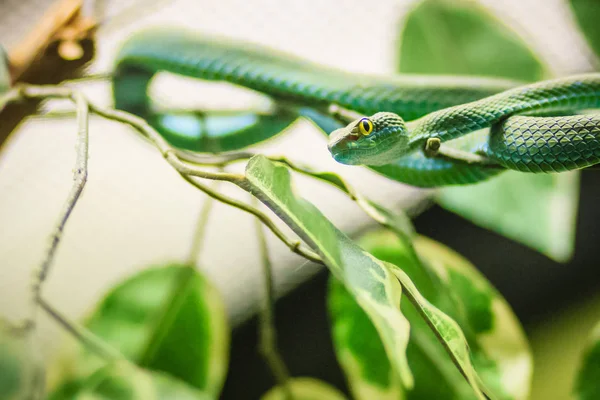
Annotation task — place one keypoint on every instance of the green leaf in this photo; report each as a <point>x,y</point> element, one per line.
<point>360,353</point>
<point>398,221</point>
<point>539,211</point>
<point>359,349</point>
<point>587,386</point>
<point>168,319</point>
<point>305,389</point>
<point>461,38</point>
<point>447,330</point>
<point>587,13</point>
<point>122,381</point>
<point>498,349</point>
<point>370,282</point>
<point>21,372</point>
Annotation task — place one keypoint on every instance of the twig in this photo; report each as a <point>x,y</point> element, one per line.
<point>435,148</point>
<point>187,172</point>
<point>142,126</point>
<point>100,76</point>
<point>295,246</point>
<point>170,154</point>
<point>267,330</point>
<point>83,335</point>
<point>333,179</point>
<point>80,178</point>
<point>220,160</point>
<point>199,235</point>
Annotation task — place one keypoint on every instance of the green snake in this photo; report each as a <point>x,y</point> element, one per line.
<point>455,110</point>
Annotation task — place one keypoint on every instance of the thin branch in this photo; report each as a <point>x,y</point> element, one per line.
<point>100,76</point>
<point>87,338</point>
<point>267,330</point>
<point>219,160</point>
<point>335,180</point>
<point>200,232</point>
<point>188,171</point>
<point>79,180</point>
<point>9,97</point>
<point>170,154</point>
<point>295,246</point>
<point>142,126</point>
<point>435,148</point>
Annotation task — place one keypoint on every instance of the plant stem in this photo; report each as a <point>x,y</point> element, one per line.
<point>163,146</point>
<point>80,178</point>
<point>171,155</point>
<point>25,91</point>
<point>294,246</point>
<point>199,234</point>
<point>267,330</point>
<point>87,338</point>
<point>335,180</point>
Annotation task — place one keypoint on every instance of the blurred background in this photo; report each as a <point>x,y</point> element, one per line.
<point>136,212</point>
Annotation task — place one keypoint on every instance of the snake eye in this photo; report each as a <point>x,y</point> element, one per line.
<point>365,126</point>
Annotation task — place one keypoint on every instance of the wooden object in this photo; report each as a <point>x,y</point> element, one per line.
<point>59,45</point>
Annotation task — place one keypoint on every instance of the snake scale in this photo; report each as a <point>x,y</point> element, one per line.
<point>456,110</point>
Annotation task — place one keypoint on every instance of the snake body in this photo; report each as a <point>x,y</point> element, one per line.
<point>312,88</point>
<point>529,144</point>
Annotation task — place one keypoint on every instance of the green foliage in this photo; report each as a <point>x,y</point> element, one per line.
<point>168,319</point>
<point>21,373</point>
<point>497,344</point>
<point>359,349</point>
<point>450,37</point>
<point>539,211</point>
<point>305,389</point>
<point>587,13</point>
<point>460,38</point>
<point>123,381</point>
<point>370,282</point>
<point>587,386</point>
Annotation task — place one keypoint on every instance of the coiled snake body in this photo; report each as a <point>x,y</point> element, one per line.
<point>455,110</point>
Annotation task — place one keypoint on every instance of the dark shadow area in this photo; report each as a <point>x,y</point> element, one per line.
<point>534,285</point>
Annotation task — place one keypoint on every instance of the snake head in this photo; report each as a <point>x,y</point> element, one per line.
<point>375,140</point>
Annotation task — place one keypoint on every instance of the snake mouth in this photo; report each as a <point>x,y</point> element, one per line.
<point>344,151</point>
<point>342,156</point>
<point>352,156</point>
<point>348,153</point>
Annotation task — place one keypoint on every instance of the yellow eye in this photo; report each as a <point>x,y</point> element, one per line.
<point>365,126</point>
